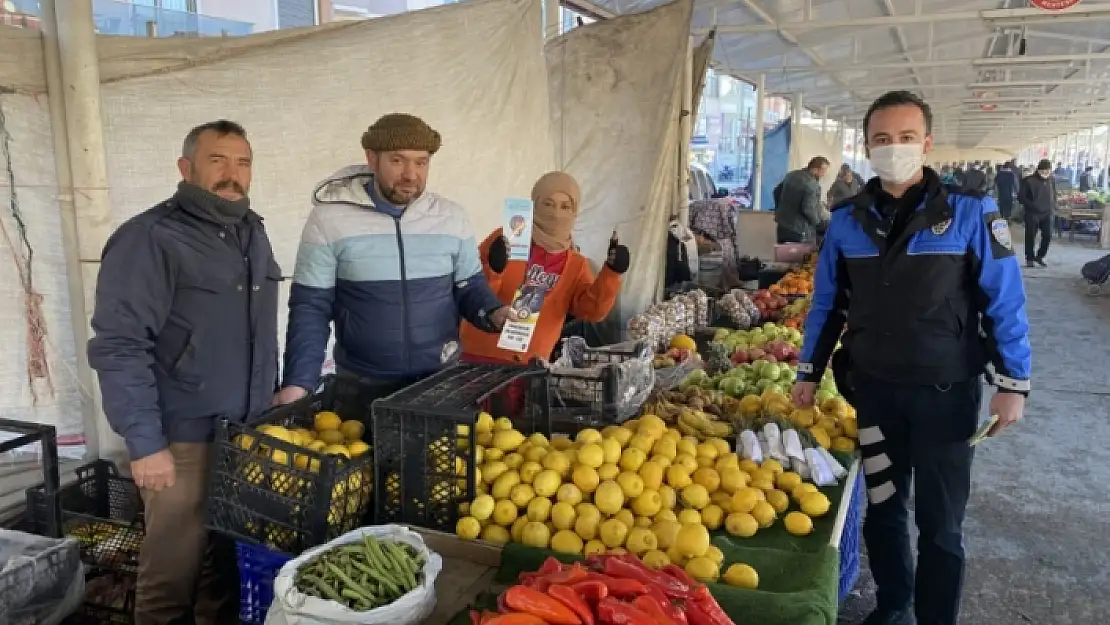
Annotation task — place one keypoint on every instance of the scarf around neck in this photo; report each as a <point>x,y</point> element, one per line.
<point>552,228</point>
<point>221,210</point>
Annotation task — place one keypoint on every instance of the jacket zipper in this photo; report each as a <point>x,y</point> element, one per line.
<point>404,296</point>
<point>248,287</point>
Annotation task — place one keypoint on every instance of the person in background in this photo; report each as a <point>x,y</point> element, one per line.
<point>974,179</point>
<point>991,175</point>
<point>1006,184</point>
<point>798,202</point>
<point>1038,197</point>
<point>556,279</point>
<point>912,272</point>
<point>1087,180</point>
<point>844,187</point>
<point>392,265</point>
<point>958,176</point>
<point>185,329</point>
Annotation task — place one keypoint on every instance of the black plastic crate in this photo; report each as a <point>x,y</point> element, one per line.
<point>37,577</point>
<point>109,599</point>
<point>591,394</point>
<point>286,497</point>
<point>28,433</point>
<point>425,438</point>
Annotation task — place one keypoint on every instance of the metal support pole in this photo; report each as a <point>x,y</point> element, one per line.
<point>686,131</point>
<point>80,77</point>
<point>552,19</point>
<point>1106,161</point>
<point>757,155</point>
<point>796,108</point>
<point>1090,147</point>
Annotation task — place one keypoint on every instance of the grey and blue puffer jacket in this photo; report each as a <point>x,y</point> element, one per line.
<point>394,283</point>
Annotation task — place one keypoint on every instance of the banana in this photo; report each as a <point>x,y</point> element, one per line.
<point>687,430</point>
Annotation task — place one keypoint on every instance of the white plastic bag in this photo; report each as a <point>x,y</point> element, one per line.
<point>42,580</point>
<point>291,607</point>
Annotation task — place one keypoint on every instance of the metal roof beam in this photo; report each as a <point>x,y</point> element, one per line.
<point>1000,62</point>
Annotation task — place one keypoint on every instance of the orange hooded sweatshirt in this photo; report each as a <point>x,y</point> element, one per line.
<point>576,291</point>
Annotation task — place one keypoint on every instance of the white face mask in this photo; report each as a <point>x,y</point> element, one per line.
<point>898,162</point>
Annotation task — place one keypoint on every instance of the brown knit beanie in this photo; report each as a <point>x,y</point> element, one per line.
<point>400,131</point>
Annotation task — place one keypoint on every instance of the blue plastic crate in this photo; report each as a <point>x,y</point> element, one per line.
<point>850,540</point>
<point>258,567</point>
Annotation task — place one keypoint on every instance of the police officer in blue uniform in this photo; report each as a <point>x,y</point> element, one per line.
<point>923,282</point>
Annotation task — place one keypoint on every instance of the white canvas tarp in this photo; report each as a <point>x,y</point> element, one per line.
<point>615,99</point>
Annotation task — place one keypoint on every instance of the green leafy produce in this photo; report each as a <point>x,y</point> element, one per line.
<point>362,576</point>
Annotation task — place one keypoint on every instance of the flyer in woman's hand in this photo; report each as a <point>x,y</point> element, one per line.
<point>518,227</point>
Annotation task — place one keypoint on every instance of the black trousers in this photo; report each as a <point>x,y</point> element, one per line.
<point>785,235</point>
<point>916,436</point>
<point>1033,225</point>
<point>1006,205</point>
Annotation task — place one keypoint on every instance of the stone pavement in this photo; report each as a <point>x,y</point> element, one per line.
<point>1038,526</point>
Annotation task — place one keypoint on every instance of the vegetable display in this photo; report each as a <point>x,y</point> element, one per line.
<point>362,576</point>
<point>609,589</point>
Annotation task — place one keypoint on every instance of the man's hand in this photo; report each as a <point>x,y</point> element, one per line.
<point>803,393</point>
<point>498,317</point>
<point>1009,408</point>
<point>155,472</point>
<point>288,395</point>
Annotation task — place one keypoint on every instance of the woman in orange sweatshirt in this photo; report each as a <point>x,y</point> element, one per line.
<point>555,280</point>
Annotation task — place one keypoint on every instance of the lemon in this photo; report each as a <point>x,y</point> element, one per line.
<point>539,509</point>
<point>484,439</point>
<point>631,484</point>
<point>304,462</point>
<point>516,532</point>
<point>675,557</point>
<point>352,430</point>
<point>632,459</point>
<point>704,462</point>
<point>468,528</point>
<point>622,435</point>
<point>779,500</point>
<point>569,493</point>
<point>609,497</point>
<point>492,454</point>
<point>665,447</point>
<point>504,512</point>
<point>507,440</point>
<point>503,485</point>
<point>613,533</point>
<point>801,490</point>
<point>502,424</point>
<point>798,523</point>
<point>493,470</point>
<point>640,540</point>
<point>533,454</point>
<point>741,576</point>
<point>610,450</point>
<point>708,478</point>
<point>741,524</point>
<point>594,548</point>
<point>764,513</point>
<point>585,478</point>
<point>692,540</point>
<point>689,516</point>
<point>558,462</point>
<point>702,569</point>
<point>745,499</point>
<point>336,450</point>
<point>586,527</point>
<point>787,481</point>
<point>706,450</point>
<point>694,496</point>
<point>528,471</point>
<point>587,436</point>
<point>608,471</point>
<point>815,504</point>
<point>642,443</point>
<point>762,482</point>
<point>244,441</point>
<point>748,465</point>
<point>566,541</point>
<point>591,455</point>
<point>716,555</point>
<point>712,516</point>
<point>484,422</point>
<point>326,420</point>
<point>722,499</point>
<point>666,515</point>
<point>688,462</point>
<point>331,437</point>
<point>655,559</point>
<point>496,534</point>
<point>670,498</point>
<point>647,503</point>
<point>726,461</point>
<point>643,521</point>
<point>546,483</point>
<point>665,533</point>
<point>482,507</point>
<point>559,442</point>
<point>651,425</point>
<point>844,444</point>
<point>563,515</point>
<point>678,477</point>
<point>651,473</point>
<point>357,448</point>
<point>513,460</point>
<point>521,495</point>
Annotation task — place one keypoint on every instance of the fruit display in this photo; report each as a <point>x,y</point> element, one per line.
<point>612,588</point>
<point>738,308</point>
<point>794,315</point>
<point>362,576</point>
<point>665,320</point>
<point>641,487</point>
<point>769,304</point>
<point>770,342</point>
<point>680,350</point>
<point>692,410</point>
<point>796,281</point>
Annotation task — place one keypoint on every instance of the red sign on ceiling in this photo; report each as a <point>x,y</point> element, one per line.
<point>1054,5</point>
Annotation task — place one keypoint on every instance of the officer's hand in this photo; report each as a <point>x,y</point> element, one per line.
<point>803,393</point>
<point>499,317</point>
<point>155,472</point>
<point>498,255</point>
<point>1009,408</point>
<point>288,395</point>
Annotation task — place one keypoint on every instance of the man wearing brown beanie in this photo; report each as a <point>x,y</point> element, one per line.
<point>393,266</point>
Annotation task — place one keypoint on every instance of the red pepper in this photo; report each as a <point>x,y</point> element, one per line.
<point>475,618</point>
<point>487,616</point>
<point>712,609</point>
<point>515,618</point>
<point>697,591</point>
<point>571,599</point>
<point>567,576</point>
<point>619,567</point>
<point>618,587</point>
<point>648,605</point>
<point>549,566</point>
<point>591,589</point>
<point>673,611</point>
<point>697,616</point>
<point>532,601</point>
<point>614,612</point>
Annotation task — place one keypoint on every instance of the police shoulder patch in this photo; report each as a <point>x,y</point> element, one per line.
<point>1000,232</point>
<point>939,229</point>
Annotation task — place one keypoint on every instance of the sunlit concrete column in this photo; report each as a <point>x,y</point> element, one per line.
<point>757,156</point>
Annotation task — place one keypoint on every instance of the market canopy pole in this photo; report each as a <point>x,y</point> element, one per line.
<point>552,19</point>
<point>757,156</point>
<point>1105,174</point>
<point>80,82</point>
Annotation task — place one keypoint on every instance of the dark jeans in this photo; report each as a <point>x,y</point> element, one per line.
<point>916,436</point>
<point>1033,225</point>
<point>784,235</point>
<point>1006,206</point>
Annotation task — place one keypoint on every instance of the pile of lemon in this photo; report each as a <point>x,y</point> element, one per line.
<point>832,423</point>
<point>640,487</point>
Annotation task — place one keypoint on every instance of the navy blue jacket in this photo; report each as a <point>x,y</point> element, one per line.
<point>912,308</point>
<point>1006,182</point>
<point>394,283</point>
<point>185,325</point>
